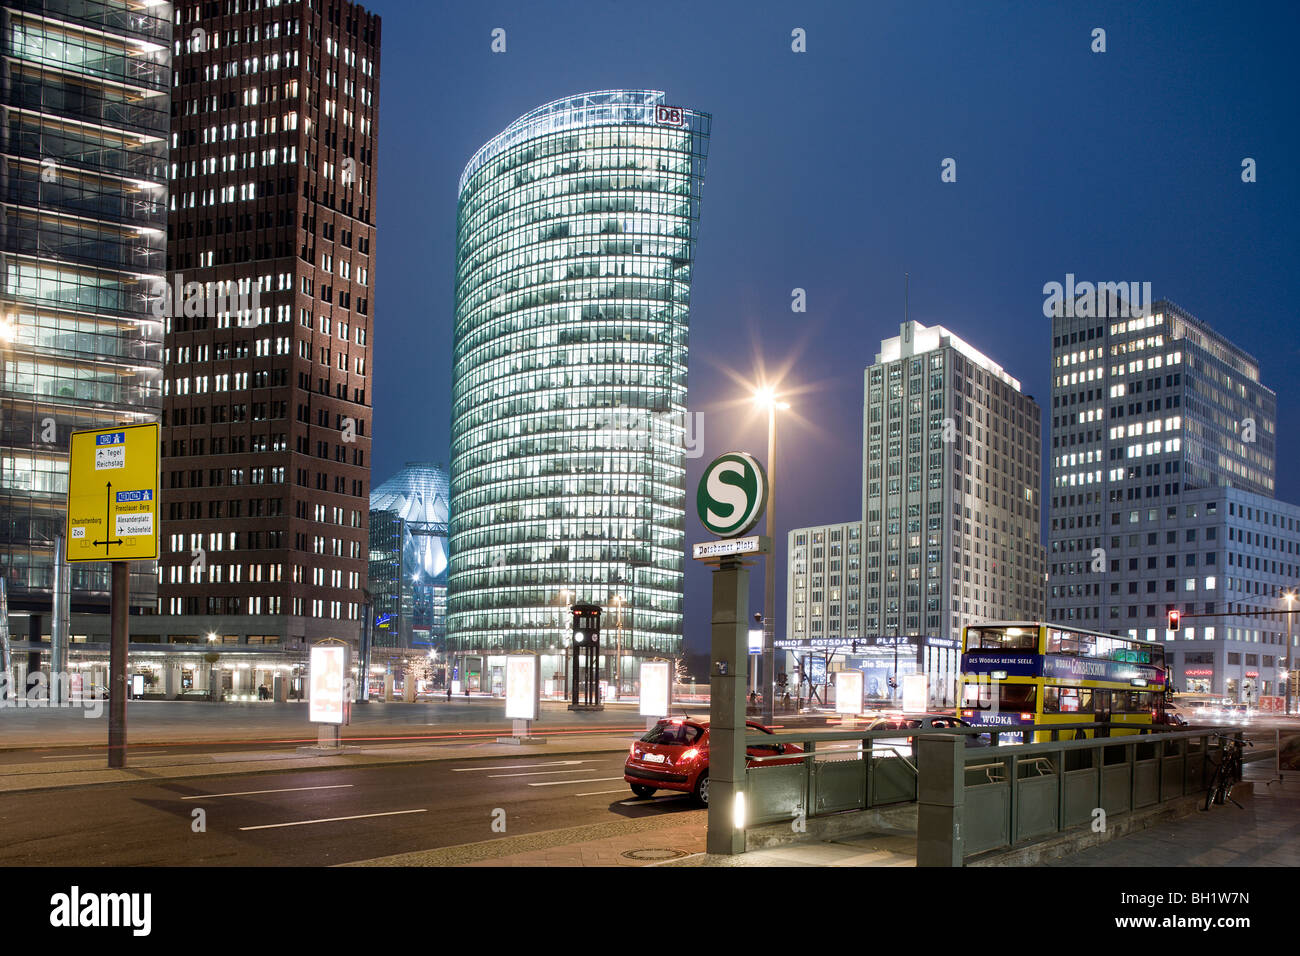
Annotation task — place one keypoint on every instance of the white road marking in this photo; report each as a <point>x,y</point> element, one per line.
<point>246,793</point>
<point>520,766</point>
<point>598,793</point>
<point>538,773</point>
<point>133,753</point>
<point>560,783</point>
<point>359,816</point>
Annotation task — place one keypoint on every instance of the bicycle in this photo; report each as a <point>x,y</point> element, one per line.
<point>1227,771</point>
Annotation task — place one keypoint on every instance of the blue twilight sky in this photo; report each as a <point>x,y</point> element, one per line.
<point>824,174</point>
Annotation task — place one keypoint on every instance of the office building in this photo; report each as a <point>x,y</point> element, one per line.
<point>576,239</point>
<point>269,318</point>
<point>950,489</point>
<point>408,558</point>
<point>83,218</point>
<point>1163,460</point>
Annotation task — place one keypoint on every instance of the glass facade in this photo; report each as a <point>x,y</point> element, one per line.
<point>576,238</point>
<point>84,190</point>
<point>408,558</point>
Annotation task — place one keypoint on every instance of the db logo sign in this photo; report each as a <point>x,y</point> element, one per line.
<point>670,115</point>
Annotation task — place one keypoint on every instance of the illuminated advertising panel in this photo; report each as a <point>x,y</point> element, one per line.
<point>848,692</point>
<point>521,686</point>
<point>916,693</point>
<point>756,640</point>
<point>328,702</point>
<point>656,685</point>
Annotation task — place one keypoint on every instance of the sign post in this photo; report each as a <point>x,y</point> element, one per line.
<point>523,697</point>
<point>113,516</point>
<point>729,501</point>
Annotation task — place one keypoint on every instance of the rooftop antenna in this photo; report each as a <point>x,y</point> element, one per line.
<point>907,289</point>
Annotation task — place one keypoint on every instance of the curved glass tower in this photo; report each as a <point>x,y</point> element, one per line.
<point>575,242</point>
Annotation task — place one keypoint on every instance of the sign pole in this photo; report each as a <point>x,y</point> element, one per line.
<point>117,675</point>
<point>730,658</point>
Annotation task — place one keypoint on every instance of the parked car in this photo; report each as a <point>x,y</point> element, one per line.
<point>674,755</point>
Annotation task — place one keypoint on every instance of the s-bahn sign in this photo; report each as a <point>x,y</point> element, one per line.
<point>731,495</point>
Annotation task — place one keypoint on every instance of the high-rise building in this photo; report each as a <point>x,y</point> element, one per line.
<point>576,239</point>
<point>950,489</point>
<point>83,217</point>
<point>824,584</point>
<point>408,557</point>
<point>271,259</point>
<point>1143,408</point>
<point>1162,431</point>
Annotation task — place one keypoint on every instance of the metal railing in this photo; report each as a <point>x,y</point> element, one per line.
<point>970,803</point>
<point>1009,794</point>
<point>858,770</point>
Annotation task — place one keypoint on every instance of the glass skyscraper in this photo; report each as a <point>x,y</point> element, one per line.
<point>87,105</point>
<point>576,238</point>
<point>408,557</point>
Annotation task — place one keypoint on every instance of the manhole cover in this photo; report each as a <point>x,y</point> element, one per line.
<point>657,853</point>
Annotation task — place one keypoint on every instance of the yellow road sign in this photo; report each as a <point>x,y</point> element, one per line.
<point>113,494</point>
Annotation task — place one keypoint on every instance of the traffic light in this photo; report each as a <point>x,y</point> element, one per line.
<point>1175,618</point>
<point>586,625</point>
<point>892,682</point>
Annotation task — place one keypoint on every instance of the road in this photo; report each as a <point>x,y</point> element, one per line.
<point>275,819</point>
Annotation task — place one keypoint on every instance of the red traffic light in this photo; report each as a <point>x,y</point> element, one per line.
<point>1175,619</point>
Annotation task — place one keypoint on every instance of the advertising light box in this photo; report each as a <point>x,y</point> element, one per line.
<point>756,640</point>
<point>916,693</point>
<point>328,703</point>
<point>656,686</point>
<point>521,686</point>
<point>848,692</point>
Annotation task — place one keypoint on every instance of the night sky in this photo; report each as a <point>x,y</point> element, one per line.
<point>824,174</point>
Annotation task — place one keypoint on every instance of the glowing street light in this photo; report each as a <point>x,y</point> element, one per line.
<point>766,397</point>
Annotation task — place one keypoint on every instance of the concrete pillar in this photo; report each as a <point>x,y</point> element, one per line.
<point>171,680</point>
<point>727,679</point>
<point>280,688</point>
<point>388,688</point>
<point>408,688</point>
<point>940,800</point>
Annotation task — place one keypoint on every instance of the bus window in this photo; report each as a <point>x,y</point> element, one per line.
<point>1087,645</point>
<point>1158,657</point>
<point>1061,642</point>
<point>1067,700</point>
<point>1002,638</point>
<point>1017,697</point>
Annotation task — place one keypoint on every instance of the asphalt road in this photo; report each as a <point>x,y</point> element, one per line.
<point>318,817</point>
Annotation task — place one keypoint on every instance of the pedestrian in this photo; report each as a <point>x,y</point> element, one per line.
<point>449,691</point>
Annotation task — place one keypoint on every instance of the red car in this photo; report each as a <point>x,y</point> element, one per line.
<point>674,755</point>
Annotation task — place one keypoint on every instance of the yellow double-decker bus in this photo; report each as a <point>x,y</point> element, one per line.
<point>1021,673</point>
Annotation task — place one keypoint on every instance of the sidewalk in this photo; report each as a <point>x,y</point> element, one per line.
<point>1265,833</point>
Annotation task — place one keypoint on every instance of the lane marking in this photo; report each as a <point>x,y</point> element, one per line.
<point>521,766</point>
<point>598,793</point>
<point>539,773</point>
<point>246,793</point>
<point>359,816</point>
<point>133,753</point>
<point>562,783</point>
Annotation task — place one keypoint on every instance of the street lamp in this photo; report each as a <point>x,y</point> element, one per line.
<point>766,397</point>
<point>564,641</point>
<point>618,654</point>
<point>1290,597</point>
